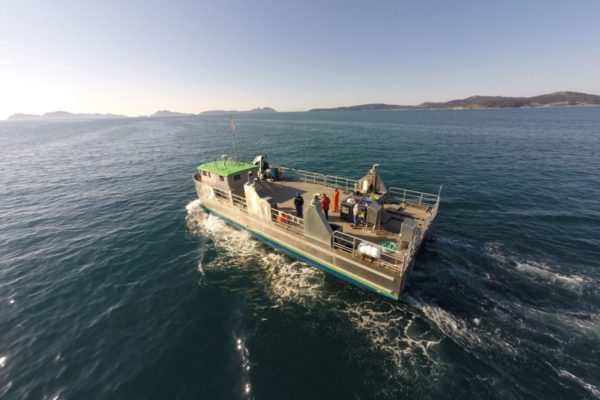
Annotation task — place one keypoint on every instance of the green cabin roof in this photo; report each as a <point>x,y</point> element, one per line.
<point>227,167</point>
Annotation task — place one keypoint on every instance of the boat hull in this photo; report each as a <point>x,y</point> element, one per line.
<point>318,254</point>
<point>299,255</point>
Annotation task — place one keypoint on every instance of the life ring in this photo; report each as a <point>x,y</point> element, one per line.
<point>282,219</point>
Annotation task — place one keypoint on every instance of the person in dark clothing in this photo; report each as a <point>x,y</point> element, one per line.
<point>299,203</point>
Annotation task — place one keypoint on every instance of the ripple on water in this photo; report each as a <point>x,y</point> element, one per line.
<point>505,300</point>
<point>594,390</point>
<point>540,272</point>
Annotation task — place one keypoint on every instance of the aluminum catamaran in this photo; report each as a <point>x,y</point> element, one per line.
<point>376,250</point>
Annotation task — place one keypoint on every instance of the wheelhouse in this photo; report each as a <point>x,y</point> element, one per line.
<point>226,174</point>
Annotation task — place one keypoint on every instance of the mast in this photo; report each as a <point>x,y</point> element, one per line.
<point>233,129</point>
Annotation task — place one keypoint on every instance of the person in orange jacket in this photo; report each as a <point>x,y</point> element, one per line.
<point>336,200</point>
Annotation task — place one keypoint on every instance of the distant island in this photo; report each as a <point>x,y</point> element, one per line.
<point>368,107</point>
<point>60,115</point>
<point>558,99</point>
<point>254,110</point>
<point>55,115</point>
<point>167,113</point>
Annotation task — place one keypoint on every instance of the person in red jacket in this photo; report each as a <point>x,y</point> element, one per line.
<point>325,205</point>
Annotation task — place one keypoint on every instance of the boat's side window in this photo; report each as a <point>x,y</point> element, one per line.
<point>221,178</point>
<point>204,173</point>
<point>237,177</point>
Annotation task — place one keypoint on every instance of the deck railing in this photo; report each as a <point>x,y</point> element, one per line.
<point>228,197</point>
<point>349,243</point>
<point>407,196</point>
<point>410,252</point>
<point>280,218</point>
<point>222,195</point>
<point>288,221</point>
<point>344,184</point>
<point>413,246</point>
<point>394,193</point>
<point>239,202</point>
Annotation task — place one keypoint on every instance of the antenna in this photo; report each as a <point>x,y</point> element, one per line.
<point>232,127</point>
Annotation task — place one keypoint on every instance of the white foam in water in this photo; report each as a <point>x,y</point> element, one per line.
<point>393,333</point>
<point>445,322</point>
<point>465,334</point>
<point>294,281</point>
<point>286,280</point>
<point>595,390</point>
<point>193,206</point>
<point>584,323</point>
<point>235,242</point>
<point>388,329</point>
<point>291,281</point>
<point>537,270</point>
<point>200,269</point>
<point>545,272</point>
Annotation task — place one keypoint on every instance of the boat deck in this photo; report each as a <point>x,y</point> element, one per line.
<point>283,192</point>
<point>376,258</point>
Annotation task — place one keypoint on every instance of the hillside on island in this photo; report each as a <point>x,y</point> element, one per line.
<point>160,113</point>
<point>254,110</point>
<point>167,113</point>
<point>363,107</point>
<point>557,99</point>
<point>60,115</point>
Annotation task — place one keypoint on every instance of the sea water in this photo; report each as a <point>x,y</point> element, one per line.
<point>115,284</point>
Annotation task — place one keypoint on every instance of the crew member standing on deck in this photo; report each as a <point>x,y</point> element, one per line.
<point>336,200</point>
<point>356,212</point>
<point>325,205</point>
<point>299,203</point>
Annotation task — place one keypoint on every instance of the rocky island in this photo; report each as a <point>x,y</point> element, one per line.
<point>557,99</point>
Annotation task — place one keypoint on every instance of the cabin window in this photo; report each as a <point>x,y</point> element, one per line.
<point>221,178</point>
<point>237,177</point>
<point>204,173</point>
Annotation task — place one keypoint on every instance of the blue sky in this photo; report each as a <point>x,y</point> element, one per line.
<point>136,57</point>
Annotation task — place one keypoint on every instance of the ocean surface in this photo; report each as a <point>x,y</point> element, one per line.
<point>115,285</point>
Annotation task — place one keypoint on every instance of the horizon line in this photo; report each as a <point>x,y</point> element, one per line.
<point>116,114</point>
